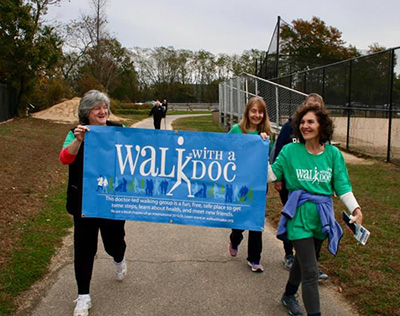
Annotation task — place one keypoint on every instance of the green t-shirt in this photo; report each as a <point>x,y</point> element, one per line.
<point>235,129</point>
<point>321,174</point>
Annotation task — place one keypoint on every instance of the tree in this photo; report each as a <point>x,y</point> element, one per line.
<point>185,75</point>
<point>94,59</point>
<point>30,50</point>
<point>115,61</point>
<point>76,43</point>
<point>97,23</point>
<point>163,72</point>
<point>246,62</point>
<point>371,76</point>
<point>309,44</point>
<point>93,32</point>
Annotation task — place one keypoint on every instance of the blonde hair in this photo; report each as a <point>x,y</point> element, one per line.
<point>265,125</point>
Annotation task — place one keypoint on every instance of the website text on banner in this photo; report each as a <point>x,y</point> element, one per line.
<point>188,178</point>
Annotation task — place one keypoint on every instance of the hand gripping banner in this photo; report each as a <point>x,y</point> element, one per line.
<point>188,178</point>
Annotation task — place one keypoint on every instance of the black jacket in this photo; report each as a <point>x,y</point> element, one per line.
<point>157,112</point>
<point>75,180</point>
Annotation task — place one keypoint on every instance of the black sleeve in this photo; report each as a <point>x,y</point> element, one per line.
<point>284,138</point>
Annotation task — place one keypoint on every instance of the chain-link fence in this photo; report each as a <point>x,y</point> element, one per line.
<point>8,106</point>
<point>363,96</point>
<point>234,94</point>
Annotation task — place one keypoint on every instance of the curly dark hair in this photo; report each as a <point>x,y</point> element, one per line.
<point>325,122</point>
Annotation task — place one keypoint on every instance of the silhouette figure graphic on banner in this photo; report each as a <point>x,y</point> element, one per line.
<point>149,187</point>
<point>228,193</point>
<point>122,186</point>
<point>243,193</point>
<point>164,187</point>
<point>100,181</point>
<point>105,184</point>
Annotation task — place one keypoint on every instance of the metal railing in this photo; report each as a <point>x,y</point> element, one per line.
<point>234,94</point>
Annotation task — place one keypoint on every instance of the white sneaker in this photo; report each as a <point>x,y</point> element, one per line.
<point>83,304</point>
<point>120,270</point>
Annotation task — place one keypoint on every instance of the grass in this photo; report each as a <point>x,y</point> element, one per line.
<point>200,123</point>
<point>39,238</point>
<point>132,118</point>
<point>375,268</point>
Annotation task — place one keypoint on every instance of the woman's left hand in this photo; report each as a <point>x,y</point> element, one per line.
<point>357,216</point>
<point>264,136</point>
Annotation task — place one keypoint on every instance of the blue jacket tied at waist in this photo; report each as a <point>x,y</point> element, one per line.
<point>326,214</point>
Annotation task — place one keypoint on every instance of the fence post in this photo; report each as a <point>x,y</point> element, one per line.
<point>221,101</point>
<point>349,107</point>
<point>238,97</point>
<point>277,105</point>
<point>225,102</point>
<point>277,47</point>
<point>391,65</point>
<point>247,90</point>
<point>231,103</point>
<point>256,88</point>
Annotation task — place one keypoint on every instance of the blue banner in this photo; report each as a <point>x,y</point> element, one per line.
<point>189,178</point>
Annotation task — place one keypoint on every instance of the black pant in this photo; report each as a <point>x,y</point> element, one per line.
<point>86,232</point>
<point>254,244</point>
<point>157,123</point>
<point>305,271</point>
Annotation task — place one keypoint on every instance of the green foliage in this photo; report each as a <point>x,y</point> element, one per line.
<point>115,105</point>
<point>313,43</point>
<point>48,92</point>
<point>86,82</point>
<point>186,76</point>
<point>246,62</point>
<point>133,106</point>
<point>110,184</point>
<point>210,192</point>
<point>131,185</point>
<point>29,50</point>
<point>131,112</point>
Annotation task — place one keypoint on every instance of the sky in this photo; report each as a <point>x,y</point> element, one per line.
<point>233,26</point>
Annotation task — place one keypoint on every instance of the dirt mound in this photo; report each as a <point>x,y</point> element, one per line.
<point>66,111</point>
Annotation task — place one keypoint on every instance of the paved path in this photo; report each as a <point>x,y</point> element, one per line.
<point>165,123</point>
<point>176,270</point>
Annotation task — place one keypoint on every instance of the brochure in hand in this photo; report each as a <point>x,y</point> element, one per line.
<point>359,231</point>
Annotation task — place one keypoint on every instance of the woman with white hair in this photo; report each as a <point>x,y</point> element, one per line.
<point>94,109</point>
